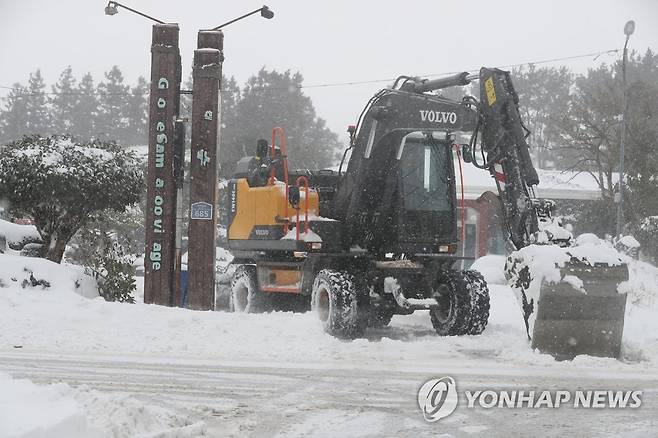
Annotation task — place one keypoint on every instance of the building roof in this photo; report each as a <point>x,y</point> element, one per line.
<point>553,184</point>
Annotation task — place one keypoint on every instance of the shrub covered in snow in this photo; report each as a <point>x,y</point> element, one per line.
<point>116,279</point>
<point>108,262</point>
<point>647,234</point>
<point>62,183</point>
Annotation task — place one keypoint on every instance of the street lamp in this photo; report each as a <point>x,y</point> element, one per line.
<point>112,9</point>
<point>265,12</point>
<point>629,28</point>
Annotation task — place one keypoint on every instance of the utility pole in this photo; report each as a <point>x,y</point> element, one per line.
<point>629,28</point>
<point>160,230</point>
<point>206,74</point>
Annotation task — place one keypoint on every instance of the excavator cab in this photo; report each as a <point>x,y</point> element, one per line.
<point>427,201</point>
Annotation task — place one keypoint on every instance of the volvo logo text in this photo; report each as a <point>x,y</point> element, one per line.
<point>438,116</point>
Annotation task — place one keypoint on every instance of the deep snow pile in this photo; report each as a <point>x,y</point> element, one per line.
<point>26,273</point>
<point>15,236</point>
<point>492,268</point>
<point>58,410</point>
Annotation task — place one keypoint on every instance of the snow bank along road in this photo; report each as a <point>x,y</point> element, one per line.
<point>278,374</point>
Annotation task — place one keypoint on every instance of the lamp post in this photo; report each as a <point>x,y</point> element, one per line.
<point>629,28</point>
<point>112,8</point>
<point>265,12</point>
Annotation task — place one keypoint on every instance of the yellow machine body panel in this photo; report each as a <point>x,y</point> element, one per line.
<point>261,209</point>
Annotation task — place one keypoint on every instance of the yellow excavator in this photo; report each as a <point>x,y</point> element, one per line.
<point>380,237</point>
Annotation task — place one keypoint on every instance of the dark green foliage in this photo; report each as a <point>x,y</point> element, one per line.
<point>61,184</point>
<point>63,102</point>
<point>271,99</point>
<point>112,119</point>
<point>136,112</point>
<point>591,132</point>
<point>647,234</point>
<point>39,119</point>
<point>109,263</point>
<point>112,111</point>
<point>85,112</point>
<point>543,99</point>
<point>13,119</point>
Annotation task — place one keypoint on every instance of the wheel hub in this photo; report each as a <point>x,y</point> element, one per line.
<point>444,300</point>
<point>323,304</point>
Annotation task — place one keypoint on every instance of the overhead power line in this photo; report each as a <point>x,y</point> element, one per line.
<point>545,61</point>
<point>595,55</point>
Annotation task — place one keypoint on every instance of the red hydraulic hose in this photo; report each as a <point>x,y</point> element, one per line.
<point>463,206</point>
<point>282,138</point>
<point>306,201</point>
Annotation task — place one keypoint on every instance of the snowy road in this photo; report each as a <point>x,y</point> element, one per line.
<point>329,400</point>
<point>146,368</point>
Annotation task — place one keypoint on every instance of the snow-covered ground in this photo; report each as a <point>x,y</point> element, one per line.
<point>119,370</point>
<point>59,410</point>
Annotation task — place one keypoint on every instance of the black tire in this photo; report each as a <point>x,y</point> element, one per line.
<point>464,304</point>
<point>479,293</point>
<point>336,302</point>
<point>245,296</point>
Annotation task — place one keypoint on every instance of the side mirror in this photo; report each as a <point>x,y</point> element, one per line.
<point>467,153</point>
<point>293,195</point>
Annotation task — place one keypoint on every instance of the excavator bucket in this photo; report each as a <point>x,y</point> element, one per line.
<point>575,319</point>
<point>576,309</point>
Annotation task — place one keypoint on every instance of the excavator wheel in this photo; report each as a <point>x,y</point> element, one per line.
<point>463,300</point>
<point>335,300</point>
<point>245,296</point>
<point>479,293</point>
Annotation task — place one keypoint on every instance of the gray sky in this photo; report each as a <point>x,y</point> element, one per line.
<point>328,42</point>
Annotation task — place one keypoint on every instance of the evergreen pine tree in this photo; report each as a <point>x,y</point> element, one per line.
<point>13,123</point>
<point>37,113</point>
<point>272,99</point>
<point>137,113</point>
<point>63,102</point>
<point>113,103</point>
<point>85,112</point>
